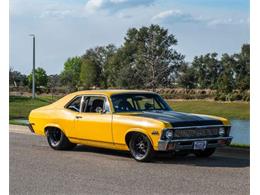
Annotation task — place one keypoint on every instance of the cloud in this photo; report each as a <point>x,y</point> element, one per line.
<point>175,16</point>
<point>93,5</point>
<point>227,21</point>
<point>117,1</point>
<point>45,9</point>
<point>178,16</point>
<point>56,13</point>
<point>111,6</point>
<point>163,15</point>
<point>59,9</point>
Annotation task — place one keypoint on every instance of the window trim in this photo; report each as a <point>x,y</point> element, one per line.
<point>74,98</point>
<point>107,103</point>
<point>160,97</point>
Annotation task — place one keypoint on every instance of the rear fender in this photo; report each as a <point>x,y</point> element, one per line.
<point>53,125</point>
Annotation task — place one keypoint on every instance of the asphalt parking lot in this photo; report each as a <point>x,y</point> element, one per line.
<point>37,169</point>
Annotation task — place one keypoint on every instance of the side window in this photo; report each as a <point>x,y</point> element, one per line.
<point>94,104</point>
<point>75,104</point>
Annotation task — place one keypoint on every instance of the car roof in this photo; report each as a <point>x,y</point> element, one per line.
<point>109,92</point>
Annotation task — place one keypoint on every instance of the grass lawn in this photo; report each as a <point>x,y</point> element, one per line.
<point>230,110</point>
<point>20,107</point>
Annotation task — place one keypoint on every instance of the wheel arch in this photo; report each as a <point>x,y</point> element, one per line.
<point>131,132</point>
<point>51,126</point>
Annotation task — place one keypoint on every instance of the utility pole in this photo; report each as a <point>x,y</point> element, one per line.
<point>33,71</point>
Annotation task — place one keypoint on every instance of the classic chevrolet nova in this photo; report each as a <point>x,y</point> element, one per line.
<point>138,121</point>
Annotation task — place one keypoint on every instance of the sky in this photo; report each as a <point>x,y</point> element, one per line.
<point>67,28</point>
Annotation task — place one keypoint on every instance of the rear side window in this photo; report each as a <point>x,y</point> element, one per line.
<point>75,104</point>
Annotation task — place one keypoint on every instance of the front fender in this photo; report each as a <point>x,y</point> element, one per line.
<point>139,130</point>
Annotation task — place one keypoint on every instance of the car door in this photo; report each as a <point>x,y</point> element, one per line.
<point>93,122</point>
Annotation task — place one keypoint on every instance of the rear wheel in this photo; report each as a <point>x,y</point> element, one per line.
<point>58,140</point>
<point>141,147</point>
<point>205,153</point>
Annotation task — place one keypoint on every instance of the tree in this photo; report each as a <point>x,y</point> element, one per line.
<point>187,78</point>
<point>207,69</point>
<point>120,71</point>
<point>41,78</point>
<point>53,82</point>
<point>17,79</point>
<point>88,74</point>
<point>95,66</point>
<point>71,73</point>
<point>226,82</point>
<point>148,59</point>
<point>107,54</point>
<point>242,68</point>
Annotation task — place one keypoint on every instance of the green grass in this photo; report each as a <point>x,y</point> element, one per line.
<point>20,107</point>
<point>240,145</point>
<point>230,110</point>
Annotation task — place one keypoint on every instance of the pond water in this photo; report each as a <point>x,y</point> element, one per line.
<point>240,130</point>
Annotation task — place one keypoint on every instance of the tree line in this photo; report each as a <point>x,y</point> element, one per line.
<point>147,59</point>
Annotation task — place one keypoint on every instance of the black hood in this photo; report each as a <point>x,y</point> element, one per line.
<point>179,119</point>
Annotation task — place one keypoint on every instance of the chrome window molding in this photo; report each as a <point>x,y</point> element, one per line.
<point>107,104</point>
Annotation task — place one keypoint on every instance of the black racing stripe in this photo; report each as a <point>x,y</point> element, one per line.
<point>178,119</point>
<point>196,123</point>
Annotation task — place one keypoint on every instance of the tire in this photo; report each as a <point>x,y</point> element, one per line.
<point>57,140</point>
<point>205,153</point>
<point>141,148</point>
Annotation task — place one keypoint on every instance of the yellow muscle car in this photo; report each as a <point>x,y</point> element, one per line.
<point>138,121</point>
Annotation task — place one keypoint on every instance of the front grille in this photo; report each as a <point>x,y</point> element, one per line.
<point>196,133</point>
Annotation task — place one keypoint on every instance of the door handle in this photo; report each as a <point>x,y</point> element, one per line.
<point>77,117</point>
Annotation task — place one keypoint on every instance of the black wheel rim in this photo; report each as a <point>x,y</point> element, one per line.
<point>140,146</point>
<point>54,137</point>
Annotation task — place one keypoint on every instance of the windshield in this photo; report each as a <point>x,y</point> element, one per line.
<point>138,103</point>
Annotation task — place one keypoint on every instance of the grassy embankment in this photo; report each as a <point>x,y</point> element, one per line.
<point>20,107</point>
<point>230,110</point>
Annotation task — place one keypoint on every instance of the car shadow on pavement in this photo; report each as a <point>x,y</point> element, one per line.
<point>219,159</point>
<point>216,160</point>
<point>83,148</point>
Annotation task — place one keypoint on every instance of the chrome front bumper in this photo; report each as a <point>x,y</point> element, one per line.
<point>187,144</point>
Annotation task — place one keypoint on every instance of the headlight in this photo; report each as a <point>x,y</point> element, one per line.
<point>169,134</point>
<point>221,131</point>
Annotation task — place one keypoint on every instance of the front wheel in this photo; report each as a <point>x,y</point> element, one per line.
<point>141,148</point>
<point>205,153</point>
<point>58,140</point>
